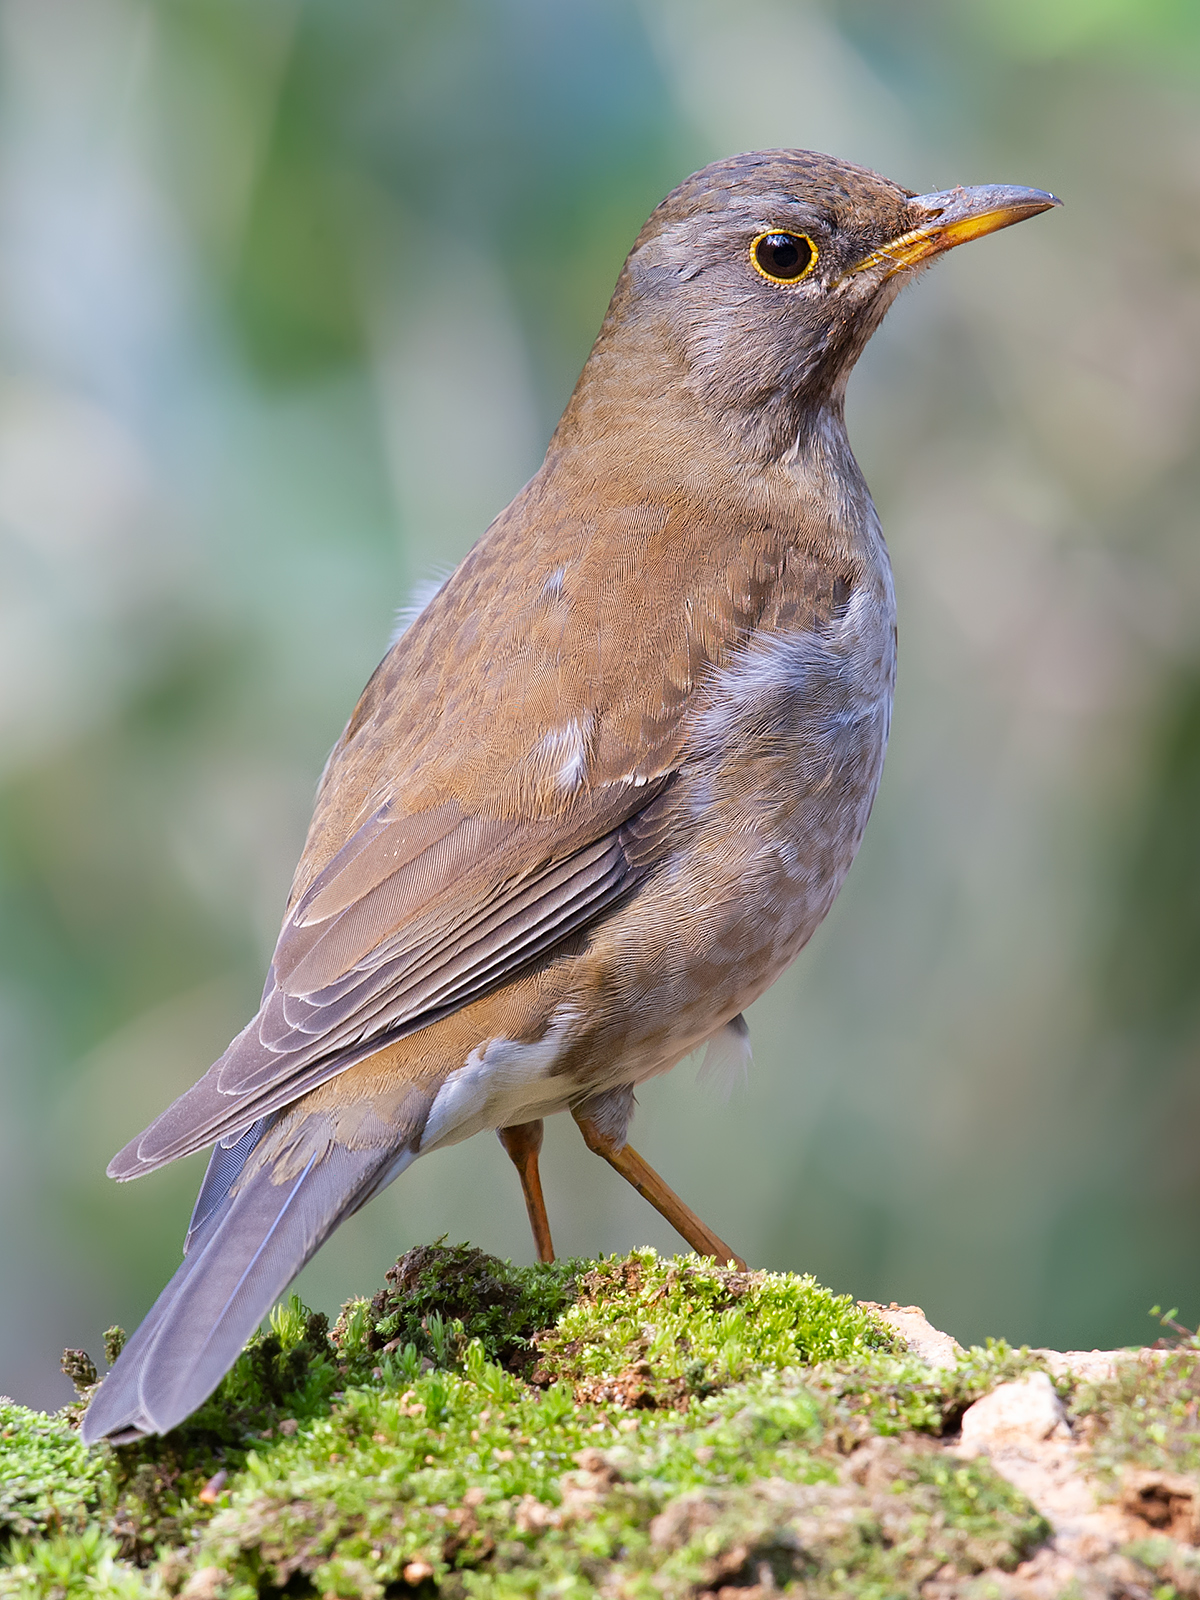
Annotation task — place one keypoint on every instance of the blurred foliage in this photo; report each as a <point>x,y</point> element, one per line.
<point>1154,981</point>
<point>293,294</point>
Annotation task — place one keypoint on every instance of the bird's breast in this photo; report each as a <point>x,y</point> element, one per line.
<point>788,754</point>
<point>783,761</point>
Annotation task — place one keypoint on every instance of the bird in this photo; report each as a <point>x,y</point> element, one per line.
<point>605,786</point>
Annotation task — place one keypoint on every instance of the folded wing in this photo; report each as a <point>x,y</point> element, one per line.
<point>415,917</point>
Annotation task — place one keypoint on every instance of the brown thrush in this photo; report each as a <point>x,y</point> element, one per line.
<point>607,784</point>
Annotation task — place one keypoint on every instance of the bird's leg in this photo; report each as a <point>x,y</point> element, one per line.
<point>647,1182</point>
<point>523,1141</point>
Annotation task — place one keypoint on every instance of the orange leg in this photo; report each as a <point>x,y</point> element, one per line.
<point>648,1184</point>
<point>523,1141</point>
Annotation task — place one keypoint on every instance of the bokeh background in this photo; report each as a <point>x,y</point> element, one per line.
<point>291,295</point>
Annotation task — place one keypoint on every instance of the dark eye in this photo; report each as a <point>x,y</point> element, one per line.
<point>783,257</point>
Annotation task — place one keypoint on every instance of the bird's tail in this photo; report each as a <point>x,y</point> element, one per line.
<point>253,1229</point>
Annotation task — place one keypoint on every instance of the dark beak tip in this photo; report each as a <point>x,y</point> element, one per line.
<point>1043,199</point>
<point>966,200</point>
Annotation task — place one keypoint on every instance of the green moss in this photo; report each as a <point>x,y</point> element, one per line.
<point>1145,1418</point>
<point>890,1394</point>
<point>435,1287</point>
<point>48,1480</point>
<point>896,1514</point>
<point>638,1426</point>
<point>1176,1566</point>
<point>489,1488</point>
<point>480,1434</point>
<point>1146,1415</point>
<point>71,1567</point>
<point>647,1332</point>
<point>150,1492</point>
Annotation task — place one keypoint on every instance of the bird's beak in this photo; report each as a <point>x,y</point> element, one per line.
<point>955,216</point>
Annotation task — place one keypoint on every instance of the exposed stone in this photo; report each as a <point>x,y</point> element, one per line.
<point>210,1583</point>
<point>1022,1429</point>
<point>1093,1366</point>
<point>922,1338</point>
<point>1024,1411</point>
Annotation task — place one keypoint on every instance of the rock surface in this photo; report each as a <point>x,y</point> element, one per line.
<point>919,1334</point>
<point>1023,1430</point>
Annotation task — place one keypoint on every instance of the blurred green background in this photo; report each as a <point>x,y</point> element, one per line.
<point>292,295</point>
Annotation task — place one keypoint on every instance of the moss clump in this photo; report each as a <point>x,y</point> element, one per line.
<point>437,1298</point>
<point>48,1480</point>
<point>81,1369</point>
<point>491,1484</point>
<point>480,1486</point>
<point>895,1515</point>
<point>645,1332</point>
<point>151,1491</point>
<point>889,1394</point>
<point>634,1426</point>
<point>71,1567</point>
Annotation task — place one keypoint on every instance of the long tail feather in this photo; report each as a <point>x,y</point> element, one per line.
<point>243,1250</point>
<point>224,1167</point>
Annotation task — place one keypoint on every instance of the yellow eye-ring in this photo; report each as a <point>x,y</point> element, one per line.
<point>783,257</point>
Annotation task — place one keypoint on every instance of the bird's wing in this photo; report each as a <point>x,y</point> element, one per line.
<point>416,917</point>
<point>484,802</point>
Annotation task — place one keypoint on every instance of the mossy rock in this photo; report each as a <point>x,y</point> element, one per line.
<point>634,1426</point>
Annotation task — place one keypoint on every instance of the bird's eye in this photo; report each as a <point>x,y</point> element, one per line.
<point>783,257</point>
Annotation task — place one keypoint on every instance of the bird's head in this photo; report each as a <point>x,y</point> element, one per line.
<point>759,280</point>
